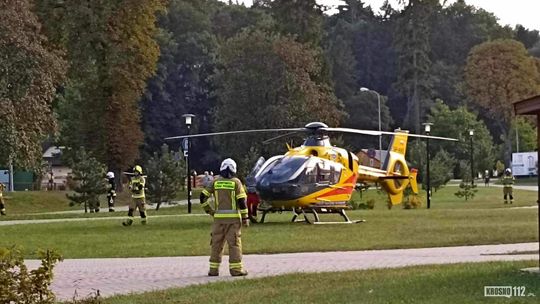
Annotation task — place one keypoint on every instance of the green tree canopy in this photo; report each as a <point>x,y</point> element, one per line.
<point>29,75</point>
<point>274,79</point>
<point>499,73</point>
<point>109,67</point>
<point>457,124</point>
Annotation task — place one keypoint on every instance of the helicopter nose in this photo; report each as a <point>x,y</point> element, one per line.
<point>277,191</point>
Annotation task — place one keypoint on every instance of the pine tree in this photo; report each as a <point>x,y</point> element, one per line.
<point>413,47</point>
<point>165,176</point>
<point>88,180</point>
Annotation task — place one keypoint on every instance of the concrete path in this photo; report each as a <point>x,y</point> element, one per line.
<point>128,275</point>
<point>105,209</point>
<point>82,219</point>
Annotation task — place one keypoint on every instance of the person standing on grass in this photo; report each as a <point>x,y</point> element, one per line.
<point>111,190</point>
<point>2,204</point>
<point>136,185</point>
<point>508,183</point>
<point>486,178</point>
<point>230,214</point>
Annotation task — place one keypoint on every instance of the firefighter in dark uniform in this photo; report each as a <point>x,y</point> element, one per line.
<point>508,183</point>
<point>111,191</point>
<point>230,214</point>
<point>2,204</point>
<point>136,185</point>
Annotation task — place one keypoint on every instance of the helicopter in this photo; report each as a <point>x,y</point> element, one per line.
<point>317,177</point>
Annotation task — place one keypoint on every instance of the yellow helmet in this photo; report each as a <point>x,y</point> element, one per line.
<point>137,169</point>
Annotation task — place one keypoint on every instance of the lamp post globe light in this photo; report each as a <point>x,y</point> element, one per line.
<point>471,134</point>
<point>364,89</point>
<point>188,121</point>
<point>427,129</point>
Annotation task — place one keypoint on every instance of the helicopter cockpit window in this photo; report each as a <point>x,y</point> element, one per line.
<point>286,169</point>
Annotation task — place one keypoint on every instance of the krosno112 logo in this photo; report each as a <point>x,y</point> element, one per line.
<point>505,291</point>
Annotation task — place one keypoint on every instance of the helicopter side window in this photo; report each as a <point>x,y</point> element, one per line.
<point>328,173</point>
<point>324,173</point>
<point>311,173</point>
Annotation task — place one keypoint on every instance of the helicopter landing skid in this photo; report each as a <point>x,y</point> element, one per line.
<point>314,218</point>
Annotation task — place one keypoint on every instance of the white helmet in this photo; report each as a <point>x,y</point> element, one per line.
<point>508,171</point>
<point>228,164</point>
<point>110,174</point>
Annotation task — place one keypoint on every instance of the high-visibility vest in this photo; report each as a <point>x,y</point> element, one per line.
<point>226,194</point>
<point>136,185</point>
<point>508,181</point>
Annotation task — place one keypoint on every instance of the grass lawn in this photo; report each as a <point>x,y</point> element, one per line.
<point>32,204</point>
<point>460,283</point>
<point>450,222</point>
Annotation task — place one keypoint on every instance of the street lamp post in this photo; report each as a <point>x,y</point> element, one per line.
<point>363,89</point>
<point>427,129</point>
<point>471,134</point>
<point>188,120</point>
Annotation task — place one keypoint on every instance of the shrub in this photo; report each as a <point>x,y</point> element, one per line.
<point>412,201</point>
<point>18,285</point>
<point>466,190</point>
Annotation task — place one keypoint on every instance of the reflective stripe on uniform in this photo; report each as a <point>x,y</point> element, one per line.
<point>224,185</point>
<point>214,265</point>
<point>235,265</point>
<point>243,211</point>
<point>227,214</point>
<point>205,204</point>
<point>241,195</point>
<point>233,201</point>
<point>205,192</point>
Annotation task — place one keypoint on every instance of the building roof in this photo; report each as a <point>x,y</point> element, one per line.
<point>529,106</point>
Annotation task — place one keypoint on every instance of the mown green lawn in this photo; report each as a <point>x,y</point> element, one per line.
<point>445,198</point>
<point>460,283</point>
<point>32,204</point>
<point>179,236</point>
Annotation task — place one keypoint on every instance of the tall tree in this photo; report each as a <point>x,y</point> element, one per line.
<point>301,18</point>
<point>112,52</point>
<point>131,62</point>
<point>413,48</point>
<point>29,75</point>
<point>499,73</point>
<point>274,79</point>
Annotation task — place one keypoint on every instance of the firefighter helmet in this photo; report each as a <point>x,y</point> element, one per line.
<point>137,169</point>
<point>228,163</point>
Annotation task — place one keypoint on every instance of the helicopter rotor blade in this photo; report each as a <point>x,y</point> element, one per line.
<point>279,136</point>
<point>235,132</point>
<point>376,133</point>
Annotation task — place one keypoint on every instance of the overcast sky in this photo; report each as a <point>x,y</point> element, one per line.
<point>525,12</point>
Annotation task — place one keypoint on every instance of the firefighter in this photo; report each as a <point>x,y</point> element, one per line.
<point>508,182</point>
<point>136,185</point>
<point>2,204</point>
<point>230,214</point>
<point>111,191</point>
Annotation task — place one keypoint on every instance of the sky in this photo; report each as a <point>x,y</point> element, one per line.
<point>512,12</point>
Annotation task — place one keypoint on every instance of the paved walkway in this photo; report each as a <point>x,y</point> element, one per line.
<point>123,275</point>
<point>82,219</point>
<point>105,209</point>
